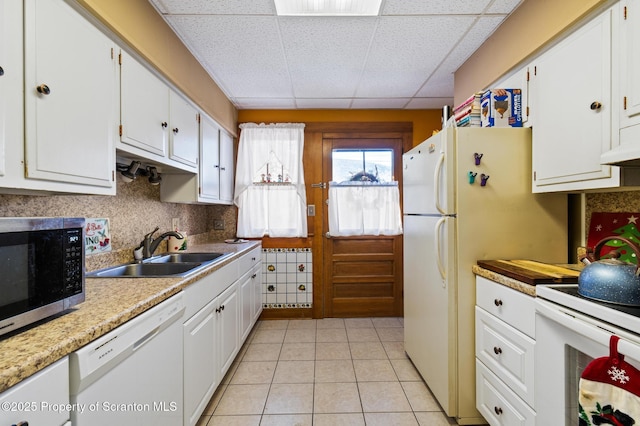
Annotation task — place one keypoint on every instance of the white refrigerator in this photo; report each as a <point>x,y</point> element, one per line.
<point>451,220</point>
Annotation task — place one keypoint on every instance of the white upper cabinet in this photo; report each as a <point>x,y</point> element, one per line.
<point>157,125</point>
<point>144,100</point>
<point>572,111</point>
<point>71,92</point>
<point>214,182</point>
<point>183,140</point>
<point>226,167</point>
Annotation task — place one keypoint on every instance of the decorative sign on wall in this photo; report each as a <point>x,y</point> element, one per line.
<point>612,224</point>
<point>97,236</point>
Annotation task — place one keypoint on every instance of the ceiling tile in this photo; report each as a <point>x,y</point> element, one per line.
<point>323,103</point>
<point>387,103</point>
<point>217,7</point>
<point>265,103</point>
<point>434,7</point>
<point>429,103</point>
<point>504,6</point>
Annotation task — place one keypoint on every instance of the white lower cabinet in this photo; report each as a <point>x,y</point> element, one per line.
<point>37,401</point>
<point>200,371</point>
<point>505,342</point>
<point>214,329</point>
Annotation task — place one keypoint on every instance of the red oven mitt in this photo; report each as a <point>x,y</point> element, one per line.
<point>609,391</point>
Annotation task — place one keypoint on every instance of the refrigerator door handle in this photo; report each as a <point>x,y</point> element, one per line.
<point>441,268</point>
<point>436,182</point>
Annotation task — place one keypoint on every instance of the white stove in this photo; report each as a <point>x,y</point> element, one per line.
<point>571,331</point>
<point>566,295</point>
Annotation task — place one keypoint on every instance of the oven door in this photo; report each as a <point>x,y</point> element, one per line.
<point>566,341</point>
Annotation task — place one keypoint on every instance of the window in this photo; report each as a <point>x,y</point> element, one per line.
<point>363,197</point>
<point>269,191</point>
<point>374,165</point>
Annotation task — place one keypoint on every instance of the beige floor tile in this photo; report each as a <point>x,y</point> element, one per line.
<point>405,370</point>
<point>230,372</point>
<point>333,335</point>
<point>269,336</point>
<point>358,323</point>
<point>386,419</point>
<point>362,335</point>
<point>298,352</point>
<point>287,420</point>
<point>374,370</point>
<point>234,421</point>
<point>420,397</point>
<point>336,398</point>
<point>254,372</point>
<point>367,350</point>
<point>215,399</point>
<point>335,371</point>
<point>391,334</point>
<point>290,399</point>
<point>386,322</point>
<point>294,372</point>
<point>434,419</point>
<point>395,350</point>
<point>327,351</point>
<point>348,419</point>
<point>330,323</point>
<point>383,397</point>
<point>242,399</point>
<point>307,324</point>
<point>300,335</point>
<point>273,325</point>
<point>203,421</point>
<point>262,352</point>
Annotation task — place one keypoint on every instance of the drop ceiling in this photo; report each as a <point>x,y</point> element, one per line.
<point>404,58</point>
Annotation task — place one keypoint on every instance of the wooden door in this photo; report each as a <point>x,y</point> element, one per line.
<point>363,274</point>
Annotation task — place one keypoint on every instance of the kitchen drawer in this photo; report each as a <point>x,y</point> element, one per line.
<point>511,306</point>
<point>250,259</point>
<point>497,403</point>
<point>507,352</point>
<point>198,294</point>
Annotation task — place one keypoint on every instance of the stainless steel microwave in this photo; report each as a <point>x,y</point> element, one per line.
<point>41,268</point>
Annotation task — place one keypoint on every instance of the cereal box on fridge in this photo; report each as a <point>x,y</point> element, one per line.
<point>501,108</point>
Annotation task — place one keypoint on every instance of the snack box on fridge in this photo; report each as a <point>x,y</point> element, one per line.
<point>501,108</point>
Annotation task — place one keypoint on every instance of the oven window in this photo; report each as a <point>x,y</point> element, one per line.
<point>576,362</point>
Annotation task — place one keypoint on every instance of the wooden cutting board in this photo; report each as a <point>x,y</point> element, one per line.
<point>531,272</point>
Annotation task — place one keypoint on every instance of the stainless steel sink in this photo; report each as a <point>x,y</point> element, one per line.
<point>164,265</point>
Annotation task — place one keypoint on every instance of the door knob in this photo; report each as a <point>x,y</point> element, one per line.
<point>43,89</point>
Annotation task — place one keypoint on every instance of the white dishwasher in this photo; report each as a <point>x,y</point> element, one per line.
<point>133,374</point>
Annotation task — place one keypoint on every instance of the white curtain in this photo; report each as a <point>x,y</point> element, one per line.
<point>364,209</point>
<point>277,209</point>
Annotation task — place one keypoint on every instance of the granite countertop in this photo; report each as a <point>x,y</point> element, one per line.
<point>109,302</point>
<point>506,281</point>
<point>513,283</point>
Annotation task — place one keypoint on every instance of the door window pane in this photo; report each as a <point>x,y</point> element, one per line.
<point>367,165</point>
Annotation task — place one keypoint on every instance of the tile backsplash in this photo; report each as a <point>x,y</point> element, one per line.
<point>133,212</point>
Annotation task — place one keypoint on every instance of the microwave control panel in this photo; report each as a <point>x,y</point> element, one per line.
<point>73,260</point>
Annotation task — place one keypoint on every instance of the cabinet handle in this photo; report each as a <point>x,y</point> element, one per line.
<point>497,350</point>
<point>216,166</point>
<point>164,124</point>
<point>222,308</point>
<point>218,310</point>
<point>223,168</point>
<point>595,105</point>
<point>1,71</point>
<point>253,276</point>
<point>498,410</point>
<point>497,302</point>
<point>43,89</point>
<point>175,131</point>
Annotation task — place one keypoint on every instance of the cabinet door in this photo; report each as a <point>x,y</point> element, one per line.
<point>183,116</point>
<point>10,80</point>
<point>226,167</point>
<point>572,107</point>
<point>630,67</point>
<point>71,97</point>
<point>228,327</point>
<point>200,361</point>
<point>246,305</point>
<point>256,283</point>
<point>209,159</point>
<point>144,103</point>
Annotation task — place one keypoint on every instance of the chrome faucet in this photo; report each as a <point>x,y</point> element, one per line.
<point>149,244</point>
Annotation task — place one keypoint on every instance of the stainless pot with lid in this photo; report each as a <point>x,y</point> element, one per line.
<point>611,280</point>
